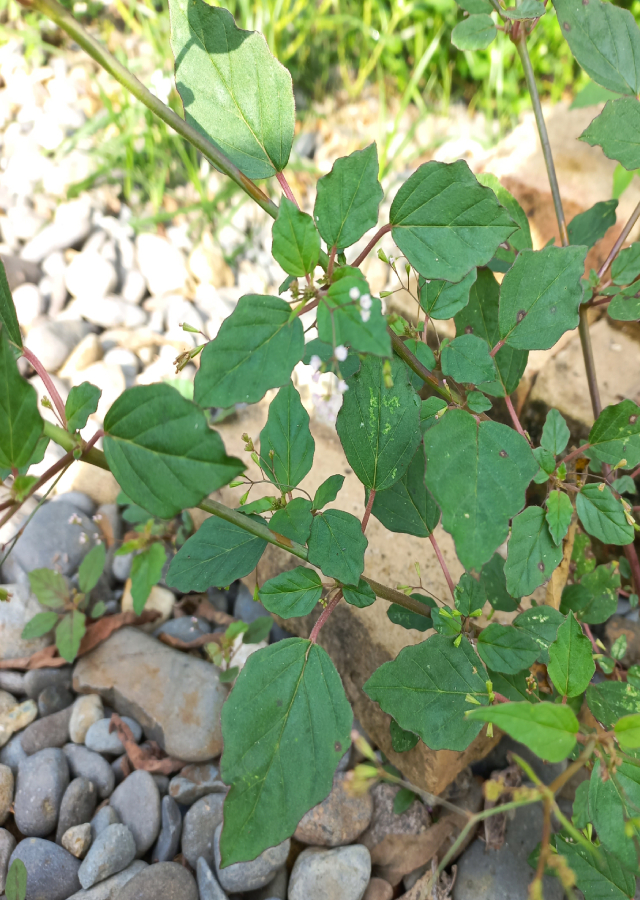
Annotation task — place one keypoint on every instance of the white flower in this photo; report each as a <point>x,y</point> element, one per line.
<point>354,293</point>
<point>315,362</point>
<point>75,519</point>
<point>341,353</point>
<point>365,301</point>
<point>365,315</point>
<point>392,259</point>
<point>83,537</point>
<point>343,387</point>
<point>315,377</point>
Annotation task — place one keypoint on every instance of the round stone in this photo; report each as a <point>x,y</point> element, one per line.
<point>53,699</point>
<point>164,881</point>
<point>339,874</point>
<point>77,840</point>
<point>42,781</point>
<point>100,740</point>
<point>52,731</point>
<point>52,872</point>
<point>198,829</point>
<point>208,883</point>
<point>111,852</point>
<point>78,805</point>
<point>169,838</point>
<point>248,876</point>
<point>83,762</point>
<point>137,802</point>
<point>102,819</point>
<point>338,820</point>
<point>87,710</point>
<point>195,782</point>
<point>7,846</point>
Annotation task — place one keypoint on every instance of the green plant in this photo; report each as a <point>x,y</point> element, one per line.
<point>416,429</point>
<point>16,884</point>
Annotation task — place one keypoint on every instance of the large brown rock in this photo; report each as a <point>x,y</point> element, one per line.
<point>175,697</point>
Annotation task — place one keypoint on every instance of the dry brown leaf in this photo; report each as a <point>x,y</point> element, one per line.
<point>201,641</point>
<point>40,659</point>
<point>558,579</point>
<point>151,759</point>
<point>430,887</point>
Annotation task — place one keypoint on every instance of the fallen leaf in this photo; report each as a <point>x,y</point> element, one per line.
<point>558,579</point>
<point>151,759</point>
<point>177,644</point>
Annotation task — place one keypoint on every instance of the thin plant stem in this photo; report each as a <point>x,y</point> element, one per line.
<point>61,464</point>
<point>443,564</point>
<point>634,565</point>
<point>332,261</point>
<point>589,363</point>
<point>324,615</point>
<point>635,473</point>
<point>521,46</point>
<point>286,189</point>
<point>497,348</point>
<point>589,634</point>
<point>374,240</point>
<point>624,234</point>
<point>35,363</point>
<point>367,512</point>
<point>514,417</point>
<point>575,453</point>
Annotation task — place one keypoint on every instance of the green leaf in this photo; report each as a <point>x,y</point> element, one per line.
<point>20,421</point>
<point>555,433</point>
<point>258,630</point>
<point>91,568</point>
<point>546,461</point>
<point>379,427</point>
<point>626,266</point>
<point>348,198</point>
<point>558,515</point>
<point>296,243</point>
<point>540,297</point>
<point>513,687</point>
<point>474,33</point>
<point>605,41</point>
<point>431,409</point>
<point>428,687</point>
<point>596,597</point>
<point>469,595</point>
<point>342,320</point>
<point>571,666</point>
<point>403,800</point>
<point>627,731</point>
<point>293,593</point>
<point>16,884</point>
<point>337,545</point>
<point>162,452</point>
<point>541,623</point>
<point>446,223</point>
<point>591,95</point>
<point>233,90</point>
<point>255,350</point>
<point>401,740</point>
<point>477,402</point>
<point>599,875</point>
<point>328,491</point>
<point>49,587</point>
<point>287,436</point>
<point>360,595</point>
<point>146,570</point>
<point>69,633</point>
<point>264,504</point>
<point>615,435</point>
<point>466,359</point>
<point>625,306</point>
<point>98,609</point>
<point>480,317</point>
<point>624,485</point>
<point>294,521</point>
<point>475,7</point>
<point>532,553</point>
<point>589,227</point>
<point>493,581</point>
<point>548,729</point>
<point>611,700</point>
<point>228,675</point>
<point>520,239</point>
<point>493,466</point>
<point>442,300</point>
<point>42,623</point>
<point>81,403</point>
<point>285,726</point>
<point>612,802</point>
<point>616,130</point>
<point>8,316</point>
<point>529,9</point>
<point>506,649</point>
<point>446,622</point>
<point>407,619</point>
<point>217,554</point>
<point>603,516</point>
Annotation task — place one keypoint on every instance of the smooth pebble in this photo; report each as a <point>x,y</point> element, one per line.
<point>168,841</point>
<point>78,805</point>
<point>247,876</point>
<point>83,762</point>
<point>110,853</point>
<point>86,710</point>
<point>77,840</point>
<point>42,780</point>
<point>100,740</point>
<point>137,802</point>
<point>52,872</point>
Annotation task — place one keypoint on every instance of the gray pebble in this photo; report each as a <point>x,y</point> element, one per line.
<point>247,876</point>
<point>100,740</point>
<point>342,872</point>
<point>196,781</point>
<point>92,766</point>
<point>102,819</point>
<point>52,872</point>
<point>169,838</point>
<point>13,753</point>
<point>246,608</point>
<point>36,680</point>
<point>121,566</point>
<point>51,539</point>
<point>110,888</point>
<point>42,781</point>
<point>81,501</point>
<point>164,881</point>
<point>198,829</point>
<point>120,768</point>
<point>162,783</point>
<point>110,853</point>
<point>274,890</point>
<point>78,805</point>
<point>53,731</point>
<point>7,846</point>
<point>185,628</point>
<point>207,883</point>
<point>12,682</point>
<point>137,802</point>
<point>53,699</point>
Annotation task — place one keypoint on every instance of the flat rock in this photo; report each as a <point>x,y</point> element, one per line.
<point>42,781</point>
<point>78,805</point>
<point>90,274</point>
<point>36,680</point>
<point>77,840</point>
<point>208,886</point>
<point>71,226</point>
<point>339,874</point>
<point>384,821</point>
<point>164,881</point>
<point>110,888</point>
<point>338,820</point>
<point>7,846</point>
<point>6,792</point>
<point>100,740</point>
<point>16,718</point>
<point>110,853</point>
<point>87,710</point>
<point>247,876</point>
<point>199,827</point>
<point>52,872</point>
<point>13,617</point>
<point>103,818</point>
<point>168,842</point>
<point>52,731</point>
<point>195,782</point>
<point>137,802</point>
<point>83,762</point>
<point>175,697</point>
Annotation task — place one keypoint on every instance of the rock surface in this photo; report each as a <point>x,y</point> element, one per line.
<point>87,710</point>
<point>199,827</point>
<point>137,803</point>
<point>339,874</point>
<point>384,821</point>
<point>77,840</point>
<point>52,872</point>
<point>195,782</point>
<point>6,792</point>
<point>247,876</point>
<point>78,805</point>
<point>100,740</point>
<point>13,617</point>
<point>110,888</point>
<point>42,781</point>
<point>164,881</point>
<point>168,842</point>
<point>7,846</point>
<point>208,886</point>
<point>176,698</point>
<point>110,853</point>
<point>85,763</point>
<point>338,820</point>
<point>52,731</point>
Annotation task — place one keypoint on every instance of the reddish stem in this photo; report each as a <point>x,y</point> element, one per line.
<point>443,564</point>
<point>367,512</point>
<point>324,615</point>
<point>286,190</point>
<point>48,383</point>
<point>635,473</point>
<point>575,453</point>
<point>311,305</point>
<point>624,234</point>
<point>514,416</point>
<point>634,564</point>
<point>99,433</point>
<point>332,262</point>
<point>589,634</point>
<point>500,698</point>
<point>497,347</point>
<point>374,240</point>
<point>66,460</point>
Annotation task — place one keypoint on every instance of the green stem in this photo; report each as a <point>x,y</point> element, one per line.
<point>58,14</point>
<point>416,366</point>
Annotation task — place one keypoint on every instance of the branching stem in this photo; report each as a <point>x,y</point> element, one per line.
<point>50,387</point>
<point>324,615</point>
<point>286,189</point>
<point>367,512</point>
<point>514,417</point>
<point>497,348</point>
<point>374,240</point>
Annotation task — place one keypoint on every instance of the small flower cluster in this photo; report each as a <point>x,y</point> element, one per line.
<point>365,303</point>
